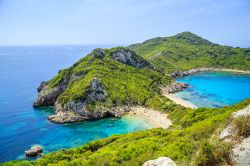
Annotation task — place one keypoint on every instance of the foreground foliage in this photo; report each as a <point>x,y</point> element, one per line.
<point>192,139</point>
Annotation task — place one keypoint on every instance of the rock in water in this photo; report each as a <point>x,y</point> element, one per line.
<point>161,161</point>
<point>34,151</point>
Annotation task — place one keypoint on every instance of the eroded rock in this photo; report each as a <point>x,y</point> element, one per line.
<point>161,161</point>
<point>96,92</point>
<point>75,111</point>
<point>47,96</point>
<point>34,151</point>
<point>241,148</point>
<point>129,57</point>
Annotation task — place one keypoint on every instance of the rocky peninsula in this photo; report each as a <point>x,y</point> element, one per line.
<point>86,91</point>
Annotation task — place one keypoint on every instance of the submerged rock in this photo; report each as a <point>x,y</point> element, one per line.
<point>34,151</point>
<point>161,161</point>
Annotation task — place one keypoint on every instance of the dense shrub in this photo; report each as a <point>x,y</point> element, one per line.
<point>242,126</point>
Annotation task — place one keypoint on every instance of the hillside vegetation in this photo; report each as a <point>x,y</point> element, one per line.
<point>186,51</point>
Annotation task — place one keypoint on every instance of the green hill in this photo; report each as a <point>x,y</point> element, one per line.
<point>186,51</point>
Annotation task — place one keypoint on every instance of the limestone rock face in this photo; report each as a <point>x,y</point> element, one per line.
<point>96,91</point>
<point>98,53</point>
<point>174,87</point>
<point>34,151</point>
<point>48,96</point>
<point>76,110</point>
<point>129,57</point>
<point>161,161</point>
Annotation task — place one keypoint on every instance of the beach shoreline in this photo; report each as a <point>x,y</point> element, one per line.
<point>180,101</point>
<point>156,118</point>
<point>230,70</point>
<point>178,74</point>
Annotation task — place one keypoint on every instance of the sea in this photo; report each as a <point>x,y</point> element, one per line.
<point>215,89</point>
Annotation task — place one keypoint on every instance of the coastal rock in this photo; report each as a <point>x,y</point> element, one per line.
<point>34,151</point>
<point>75,111</point>
<point>47,96</point>
<point>174,87</point>
<point>161,161</point>
<point>65,117</point>
<point>188,72</point>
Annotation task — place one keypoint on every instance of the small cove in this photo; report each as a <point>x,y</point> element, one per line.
<point>215,89</point>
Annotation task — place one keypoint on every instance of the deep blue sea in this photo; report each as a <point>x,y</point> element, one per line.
<point>21,126</point>
<point>215,89</point>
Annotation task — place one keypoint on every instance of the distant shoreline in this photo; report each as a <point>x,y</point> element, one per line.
<point>230,70</point>
<point>178,74</point>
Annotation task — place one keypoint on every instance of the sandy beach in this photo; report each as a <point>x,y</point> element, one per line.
<point>180,101</point>
<point>156,118</point>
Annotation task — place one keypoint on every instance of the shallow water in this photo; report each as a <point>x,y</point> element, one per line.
<point>21,71</point>
<point>215,89</point>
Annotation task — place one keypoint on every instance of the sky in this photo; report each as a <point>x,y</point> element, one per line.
<point>122,22</point>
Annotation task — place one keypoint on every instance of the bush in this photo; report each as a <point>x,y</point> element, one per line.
<point>214,153</point>
<point>242,126</point>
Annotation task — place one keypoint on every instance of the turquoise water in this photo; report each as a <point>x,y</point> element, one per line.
<point>215,89</point>
<point>21,71</point>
